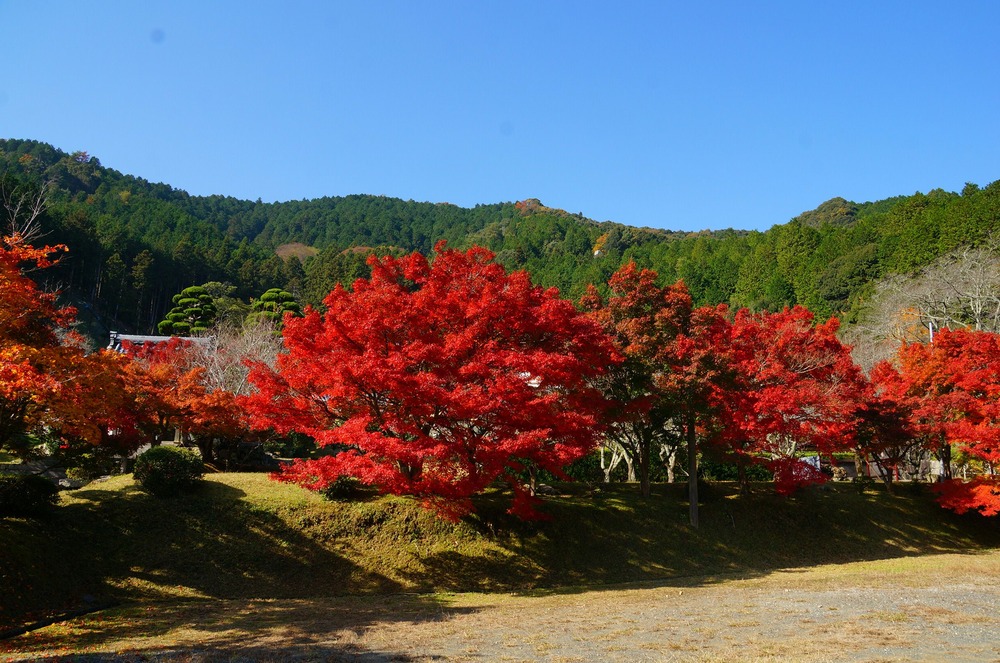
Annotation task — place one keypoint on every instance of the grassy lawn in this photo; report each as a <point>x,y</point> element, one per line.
<point>243,540</point>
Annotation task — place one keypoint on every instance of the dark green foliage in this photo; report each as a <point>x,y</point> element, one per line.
<point>344,488</point>
<point>168,471</point>
<point>193,313</point>
<point>711,470</point>
<point>26,495</point>
<point>135,243</point>
<point>273,305</point>
<point>293,445</point>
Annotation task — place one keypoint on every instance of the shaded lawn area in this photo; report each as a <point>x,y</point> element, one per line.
<point>243,537</point>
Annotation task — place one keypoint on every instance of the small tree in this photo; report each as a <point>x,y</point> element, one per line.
<point>272,307</point>
<point>661,388</point>
<point>193,313</point>
<point>955,384</point>
<point>796,389</point>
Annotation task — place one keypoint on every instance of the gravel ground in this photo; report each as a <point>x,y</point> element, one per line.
<point>944,612</point>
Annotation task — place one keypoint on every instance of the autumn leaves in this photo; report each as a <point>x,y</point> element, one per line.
<point>440,378</point>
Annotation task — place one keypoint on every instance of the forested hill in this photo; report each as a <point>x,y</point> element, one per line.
<point>134,243</point>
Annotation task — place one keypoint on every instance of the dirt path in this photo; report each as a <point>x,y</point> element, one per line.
<point>942,608</point>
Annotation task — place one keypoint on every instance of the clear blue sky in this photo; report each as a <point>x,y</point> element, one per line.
<point>674,115</point>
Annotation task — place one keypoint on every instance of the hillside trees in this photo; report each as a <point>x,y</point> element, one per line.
<point>436,379</point>
<point>825,259</point>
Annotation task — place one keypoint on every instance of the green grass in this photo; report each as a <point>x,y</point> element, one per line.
<point>245,537</point>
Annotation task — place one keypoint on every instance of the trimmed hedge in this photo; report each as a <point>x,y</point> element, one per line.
<point>26,495</point>
<point>168,471</point>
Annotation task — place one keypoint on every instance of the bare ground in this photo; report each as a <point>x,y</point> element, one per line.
<point>933,608</point>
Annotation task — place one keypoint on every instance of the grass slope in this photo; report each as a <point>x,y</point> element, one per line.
<point>244,537</point>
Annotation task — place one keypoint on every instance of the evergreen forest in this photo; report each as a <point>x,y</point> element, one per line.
<point>134,244</point>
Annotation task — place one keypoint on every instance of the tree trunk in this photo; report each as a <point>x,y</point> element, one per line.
<point>644,451</point>
<point>207,448</point>
<point>945,456</point>
<point>692,449</point>
<point>741,477</point>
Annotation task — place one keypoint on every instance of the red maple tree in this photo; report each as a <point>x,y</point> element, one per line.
<point>169,392</point>
<point>661,390</point>
<point>955,384</point>
<point>796,389</point>
<point>50,388</point>
<point>437,379</point>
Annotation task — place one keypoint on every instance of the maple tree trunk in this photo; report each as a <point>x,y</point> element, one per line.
<point>741,477</point>
<point>206,447</point>
<point>644,450</point>
<point>692,449</point>
<point>945,456</point>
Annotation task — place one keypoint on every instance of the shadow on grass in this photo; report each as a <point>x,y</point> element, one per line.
<point>614,537</point>
<point>271,630</point>
<point>260,565</point>
<point>125,544</point>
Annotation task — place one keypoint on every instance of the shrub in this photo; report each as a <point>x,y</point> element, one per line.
<point>26,495</point>
<point>168,471</point>
<point>343,488</point>
<point>293,445</point>
<point>712,470</point>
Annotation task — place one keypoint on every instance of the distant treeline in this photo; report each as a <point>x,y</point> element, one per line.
<point>134,244</point>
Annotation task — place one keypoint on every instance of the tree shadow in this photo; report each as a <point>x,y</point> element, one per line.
<point>629,541</point>
<point>235,574</point>
<point>252,630</point>
<point>125,544</point>
<point>208,563</point>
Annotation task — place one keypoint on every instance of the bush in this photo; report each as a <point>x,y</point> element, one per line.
<point>711,470</point>
<point>344,488</point>
<point>168,471</point>
<point>26,495</point>
<point>293,445</point>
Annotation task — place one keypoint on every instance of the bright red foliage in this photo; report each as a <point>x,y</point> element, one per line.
<point>955,384</point>
<point>168,391</point>
<point>48,386</point>
<point>436,380</point>
<point>795,389</point>
<point>671,362</point>
<point>887,432</point>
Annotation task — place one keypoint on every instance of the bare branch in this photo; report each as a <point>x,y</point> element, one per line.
<point>21,204</point>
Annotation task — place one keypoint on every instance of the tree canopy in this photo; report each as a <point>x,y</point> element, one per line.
<point>436,379</point>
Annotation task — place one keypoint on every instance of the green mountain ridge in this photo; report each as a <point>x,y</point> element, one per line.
<point>134,244</point>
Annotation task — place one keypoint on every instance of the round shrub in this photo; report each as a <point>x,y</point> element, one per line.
<point>168,471</point>
<point>26,495</point>
<point>343,488</point>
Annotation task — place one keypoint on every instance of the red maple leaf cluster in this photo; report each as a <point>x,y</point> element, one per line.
<point>437,379</point>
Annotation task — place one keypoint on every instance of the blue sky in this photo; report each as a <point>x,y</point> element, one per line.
<point>683,116</point>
